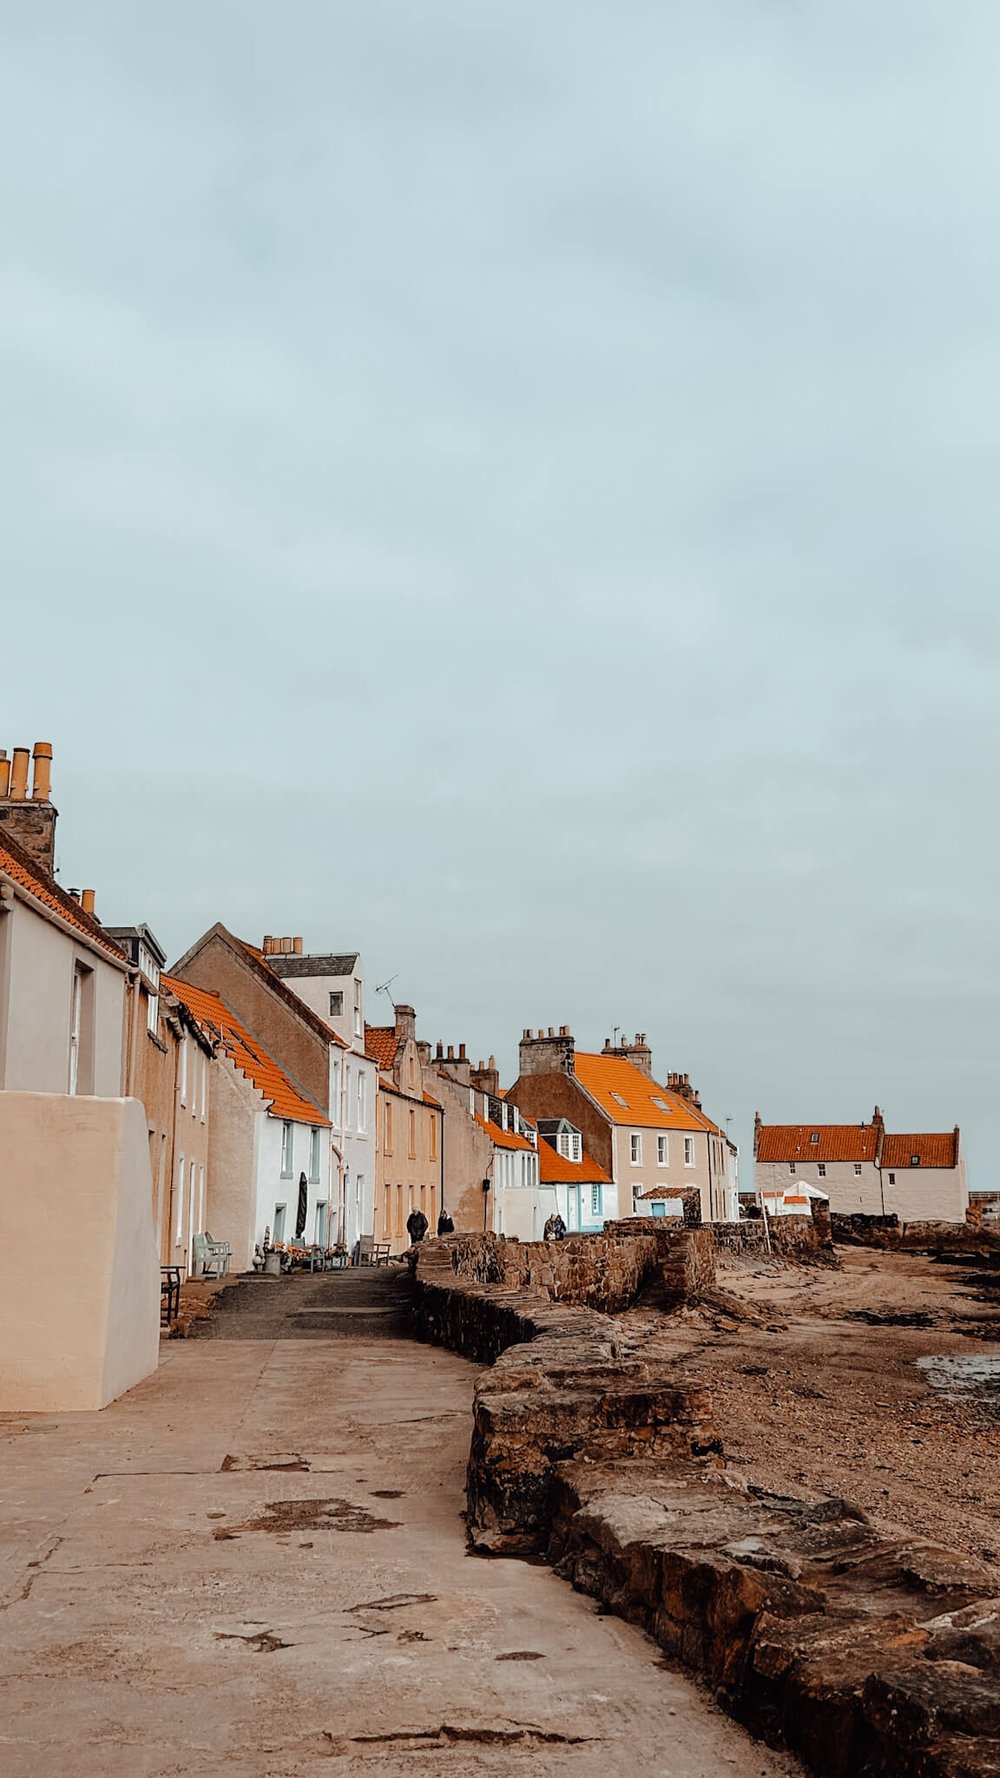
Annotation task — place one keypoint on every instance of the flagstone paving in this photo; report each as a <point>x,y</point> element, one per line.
<point>255,1565</point>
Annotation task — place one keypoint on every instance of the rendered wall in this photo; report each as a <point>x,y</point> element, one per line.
<point>40,964</point>
<point>79,1269</point>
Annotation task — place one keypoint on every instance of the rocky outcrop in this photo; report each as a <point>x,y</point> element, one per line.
<point>869,1657</point>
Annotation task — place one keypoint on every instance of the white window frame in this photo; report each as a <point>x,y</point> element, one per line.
<point>663,1151</point>
<point>597,1200</point>
<point>689,1160</point>
<point>635,1148</point>
<point>315,1153</point>
<point>287,1148</point>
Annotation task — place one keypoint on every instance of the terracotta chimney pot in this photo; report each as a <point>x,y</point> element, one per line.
<point>87,901</point>
<point>19,775</point>
<point>42,781</point>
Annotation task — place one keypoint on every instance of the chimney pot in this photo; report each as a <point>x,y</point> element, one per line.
<point>19,775</point>
<point>525,1034</point>
<point>461,1052</point>
<point>451,1052</point>
<point>42,780</point>
<point>286,946</point>
<point>4,773</point>
<point>551,1031</point>
<point>268,945</point>
<point>297,947</point>
<point>87,901</point>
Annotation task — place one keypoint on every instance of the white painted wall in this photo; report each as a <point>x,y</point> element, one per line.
<point>273,1188</point>
<point>36,996</point>
<point>353,1140</point>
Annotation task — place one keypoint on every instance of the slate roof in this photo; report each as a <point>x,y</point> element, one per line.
<point>637,1096</point>
<point>22,869</point>
<point>329,963</point>
<point>248,1055</point>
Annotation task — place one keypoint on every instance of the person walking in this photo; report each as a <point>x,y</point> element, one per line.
<point>555,1228</point>
<point>416,1226</point>
<point>445,1224</point>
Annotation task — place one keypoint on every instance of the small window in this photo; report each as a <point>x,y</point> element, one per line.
<point>914,1160</point>
<point>279,1222</point>
<point>387,1128</point>
<point>362,1102</point>
<point>619,1100</point>
<point>660,1103</point>
<point>689,1151</point>
<point>892,1178</point>
<point>791,1166</point>
<point>336,1003</point>
<point>314,1154</point>
<point>287,1150</point>
<point>412,1149</point>
<point>662,1151</point>
<point>636,1148</point>
<point>433,1136</point>
<point>814,1138</point>
<point>821,1169</point>
<point>595,1201</point>
<point>857,1169</point>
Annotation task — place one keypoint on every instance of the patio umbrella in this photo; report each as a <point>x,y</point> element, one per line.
<point>300,1214</point>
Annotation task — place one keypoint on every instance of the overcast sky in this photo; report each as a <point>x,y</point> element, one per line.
<point>513,487</point>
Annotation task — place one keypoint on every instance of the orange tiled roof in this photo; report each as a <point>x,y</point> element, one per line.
<point>557,1169</point>
<point>381,1044</point>
<point>249,1056</point>
<point>503,1138</point>
<point>16,864</point>
<point>836,1142</point>
<point>937,1149</point>
<point>606,1076</point>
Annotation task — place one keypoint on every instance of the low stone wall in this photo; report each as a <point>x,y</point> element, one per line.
<point>602,1271</point>
<point>565,1382</point>
<point>869,1657</point>
<point>888,1233</point>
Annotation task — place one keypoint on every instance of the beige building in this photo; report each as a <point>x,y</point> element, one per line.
<point>863,1169</point>
<point>409,1129</point>
<point>645,1137</point>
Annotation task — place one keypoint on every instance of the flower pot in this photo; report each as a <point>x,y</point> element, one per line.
<point>272,1265</point>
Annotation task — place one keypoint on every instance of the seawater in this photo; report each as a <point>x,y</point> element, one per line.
<point>973,1377</point>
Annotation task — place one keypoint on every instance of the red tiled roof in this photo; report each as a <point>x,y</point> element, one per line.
<point>938,1149</point>
<point>248,1055</point>
<point>605,1076</point>
<point>16,864</point>
<point>503,1138</point>
<point>557,1169</point>
<point>381,1044</point>
<point>836,1142</point>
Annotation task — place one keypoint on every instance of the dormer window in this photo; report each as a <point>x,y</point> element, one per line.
<point>815,1136</point>
<point>569,1143</point>
<point>914,1160</point>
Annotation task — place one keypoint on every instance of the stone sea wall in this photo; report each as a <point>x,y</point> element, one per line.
<point>870,1657</point>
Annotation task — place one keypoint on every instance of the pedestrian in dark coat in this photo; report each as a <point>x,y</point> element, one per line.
<point>416,1226</point>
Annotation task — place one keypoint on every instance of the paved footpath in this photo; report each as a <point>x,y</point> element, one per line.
<point>255,1565</point>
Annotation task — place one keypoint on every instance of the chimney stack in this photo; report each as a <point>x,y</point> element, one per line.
<point>30,822</point>
<point>547,1053</point>
<point>406,1023</point>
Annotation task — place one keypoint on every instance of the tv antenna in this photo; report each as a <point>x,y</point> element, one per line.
<point>383,988</point>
